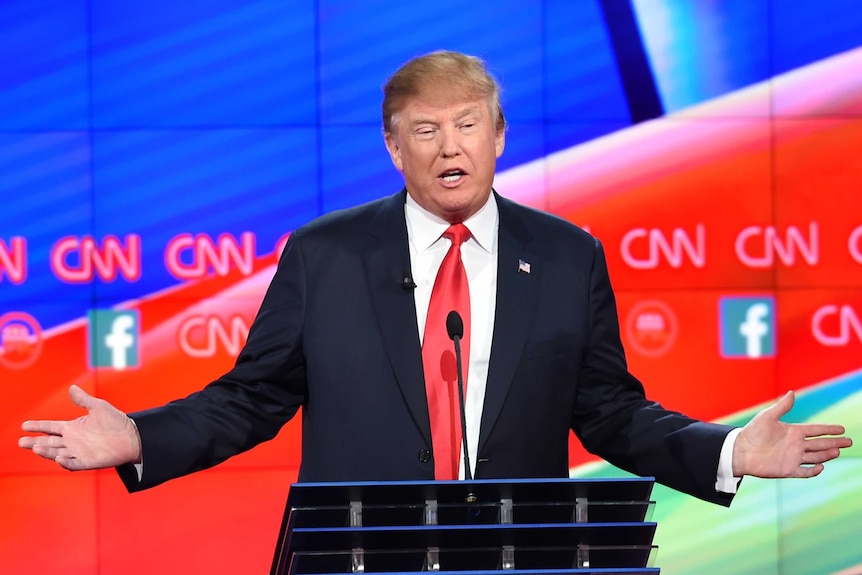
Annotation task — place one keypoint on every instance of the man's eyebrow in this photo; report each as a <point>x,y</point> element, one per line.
<point>423,120</point>
<point>467,112</point>
<point>461,114</point>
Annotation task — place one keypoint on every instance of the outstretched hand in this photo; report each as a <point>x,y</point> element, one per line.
<point>767,447</point>
<point>105,437</point>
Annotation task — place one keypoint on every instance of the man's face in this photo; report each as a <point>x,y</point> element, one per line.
<point>447,154</point>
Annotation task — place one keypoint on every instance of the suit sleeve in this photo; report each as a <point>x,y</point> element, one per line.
<point>614,420</point>
<point>246,406</point>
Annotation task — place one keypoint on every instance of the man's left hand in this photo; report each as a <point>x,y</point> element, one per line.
<point>767,447</point>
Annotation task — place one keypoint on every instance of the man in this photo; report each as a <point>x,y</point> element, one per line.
<point>350,329</point>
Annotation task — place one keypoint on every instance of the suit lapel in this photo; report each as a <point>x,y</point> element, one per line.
<point>386,258</point>
<point>517,292</point>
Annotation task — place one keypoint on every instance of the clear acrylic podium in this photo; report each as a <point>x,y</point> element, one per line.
<point>535,526</point>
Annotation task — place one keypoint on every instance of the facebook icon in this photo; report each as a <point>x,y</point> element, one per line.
<point>747,327</point>
<point>113,338</point>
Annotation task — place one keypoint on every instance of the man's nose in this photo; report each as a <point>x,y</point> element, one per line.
<point>450,144</point>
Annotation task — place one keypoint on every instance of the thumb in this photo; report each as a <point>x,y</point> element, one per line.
<point>783,405</point>
<point>81,398</point>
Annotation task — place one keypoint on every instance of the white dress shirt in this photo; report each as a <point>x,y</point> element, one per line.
<point>428,247</point>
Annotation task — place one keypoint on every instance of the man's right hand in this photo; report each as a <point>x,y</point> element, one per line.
<point>105,437</point>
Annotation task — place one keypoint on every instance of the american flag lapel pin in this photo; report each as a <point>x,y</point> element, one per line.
<point>523,266</point>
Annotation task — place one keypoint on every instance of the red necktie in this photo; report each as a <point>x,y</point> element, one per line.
<point>438,356</point>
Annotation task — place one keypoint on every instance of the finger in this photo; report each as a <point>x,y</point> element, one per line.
<point>27,442</point>
<point>820,456</point>
<point>69,463</point>
<point>81,398</point>
<point>46,426</point>
<point>805,471</point>
<point>44,442</point>
<point>821,443</point>
<point>51,441</point>
<point>818,429</point>
<point>782,406</point>
<point>46,451</point>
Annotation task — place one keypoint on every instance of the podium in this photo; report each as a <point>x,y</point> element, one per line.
<point>518,526</point>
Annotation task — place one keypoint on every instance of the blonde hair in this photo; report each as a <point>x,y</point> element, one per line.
<point>442,74</point>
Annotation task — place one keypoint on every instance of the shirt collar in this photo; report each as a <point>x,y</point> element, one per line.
<point>425,228</point>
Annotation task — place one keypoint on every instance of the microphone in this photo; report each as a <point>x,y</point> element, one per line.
<point>455,329</point>
<point>407,282</point>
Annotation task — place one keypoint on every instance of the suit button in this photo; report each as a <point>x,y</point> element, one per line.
<point>424,455</point>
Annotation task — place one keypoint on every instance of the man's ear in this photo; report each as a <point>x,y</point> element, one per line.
<point>393,148</point>
<point>500,142</point>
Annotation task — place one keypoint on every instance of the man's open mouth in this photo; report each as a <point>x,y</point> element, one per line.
<point>452,175</point>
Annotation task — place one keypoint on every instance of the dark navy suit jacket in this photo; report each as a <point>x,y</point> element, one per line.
<point>337,335</point>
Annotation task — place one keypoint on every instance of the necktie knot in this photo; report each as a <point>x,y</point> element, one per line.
<point>457,233</point>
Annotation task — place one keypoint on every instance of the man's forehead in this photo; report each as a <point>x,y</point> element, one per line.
<point>417,109</point>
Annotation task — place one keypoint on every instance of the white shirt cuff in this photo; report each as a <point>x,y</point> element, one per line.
<point>725,482</point>
<point>139,467</point>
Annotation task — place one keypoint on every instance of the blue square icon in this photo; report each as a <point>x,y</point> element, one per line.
<point>114,337</point>
<point>747,327</point>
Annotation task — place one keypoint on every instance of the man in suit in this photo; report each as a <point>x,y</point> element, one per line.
<point>346,323</point>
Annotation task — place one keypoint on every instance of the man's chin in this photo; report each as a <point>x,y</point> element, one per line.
<point>455,214</point>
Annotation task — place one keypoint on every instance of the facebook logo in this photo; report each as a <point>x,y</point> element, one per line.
<point>747,327</point>
<point>114,337</point>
